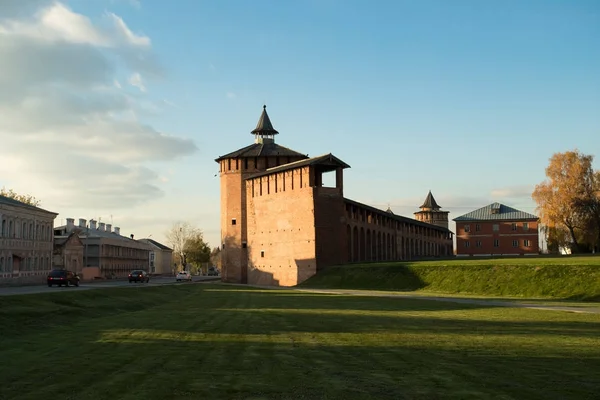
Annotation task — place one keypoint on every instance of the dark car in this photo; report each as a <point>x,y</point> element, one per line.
<point>62,277</point>
<point>212,271</point>
<point>139,276</point>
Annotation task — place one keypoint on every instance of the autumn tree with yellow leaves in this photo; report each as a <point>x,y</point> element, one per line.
<point>568,201</point>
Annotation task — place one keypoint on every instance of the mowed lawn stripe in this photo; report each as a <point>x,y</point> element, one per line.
<point>218,341</point>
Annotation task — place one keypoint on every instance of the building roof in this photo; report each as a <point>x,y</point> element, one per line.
<point>496,212</point>
<point>89,232</point>
<point>60,241</point>
<point>430,202</point>
<point>12,202</point>
<point>328,161</point>
<point>155,243</point>
<point>268,149</point>
<point>397,217</point>
<point>264,125</point>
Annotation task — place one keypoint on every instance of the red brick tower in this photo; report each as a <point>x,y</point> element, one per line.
<point>235,167</point>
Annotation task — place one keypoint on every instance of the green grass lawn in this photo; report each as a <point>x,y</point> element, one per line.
<point>213,341</point>
<point>569,278</point>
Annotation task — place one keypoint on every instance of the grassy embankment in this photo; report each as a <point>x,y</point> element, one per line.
<point>212,341</point>
<point>573,278</point>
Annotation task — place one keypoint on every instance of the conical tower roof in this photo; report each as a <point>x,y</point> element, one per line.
<point>264,126</point>
<point>430,202</point>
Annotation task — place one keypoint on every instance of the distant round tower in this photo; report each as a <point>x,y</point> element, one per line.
<point>234,168</point>
<point>431,213</point>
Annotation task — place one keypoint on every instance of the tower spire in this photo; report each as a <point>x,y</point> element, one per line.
<point>430,203</point>
<point>264,128</point>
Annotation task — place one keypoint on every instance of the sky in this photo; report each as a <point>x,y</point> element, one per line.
<point>116,109</point>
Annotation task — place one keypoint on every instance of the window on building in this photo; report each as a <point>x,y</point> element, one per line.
<point>526,243</point>
<point>244,245</point>
<point>495,227</point>
<point>496,243</point>
<point>233,221</point>
<point>467,228</point>
<point>478,243</point>
<point>515,243</point>
<point>467,244</point>
<point>525,226</point>
<point>477,227</point>
<point>514,226</point>
<point>262,253</point>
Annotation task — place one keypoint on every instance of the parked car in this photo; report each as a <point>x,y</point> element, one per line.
<point>212,271</point>
<point>62,277</point>
<point>139,275</point>
<point>183,276</point>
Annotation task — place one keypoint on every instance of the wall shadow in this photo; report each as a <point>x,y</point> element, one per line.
<point>383,278</point>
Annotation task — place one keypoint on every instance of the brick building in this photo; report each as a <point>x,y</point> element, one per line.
<point>280,224</point>
<point>497,229</point>
<point>25,242</point>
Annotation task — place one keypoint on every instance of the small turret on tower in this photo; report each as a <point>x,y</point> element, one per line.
<point>431,213</point>
<point>264,131</point>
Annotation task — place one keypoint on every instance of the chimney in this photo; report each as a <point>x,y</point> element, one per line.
<point>92,224</point>
<point>101,226</point>
<point>117,230</point>
<point>70,224</point>
<point>108,228</point>
<point>82,222</point>
<point>132,236</point>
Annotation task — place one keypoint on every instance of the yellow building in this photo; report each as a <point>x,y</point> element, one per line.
<point>160,258</point>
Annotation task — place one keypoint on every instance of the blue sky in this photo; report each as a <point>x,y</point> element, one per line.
<point>468,99</point>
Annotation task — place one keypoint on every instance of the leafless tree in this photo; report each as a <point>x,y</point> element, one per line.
<point>179,234</point>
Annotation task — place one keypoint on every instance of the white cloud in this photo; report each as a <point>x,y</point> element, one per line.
<point>68,132</point>
<point>124,32</point>
<point>137,81</point>
<point>231,95</point>
<point>511,192</point>
<point>133,3</point>
<point>169,103</point>
<point>58,23</point>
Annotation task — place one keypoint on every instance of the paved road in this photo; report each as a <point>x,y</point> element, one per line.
<point>155,281</point>
<point>464,300</point>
